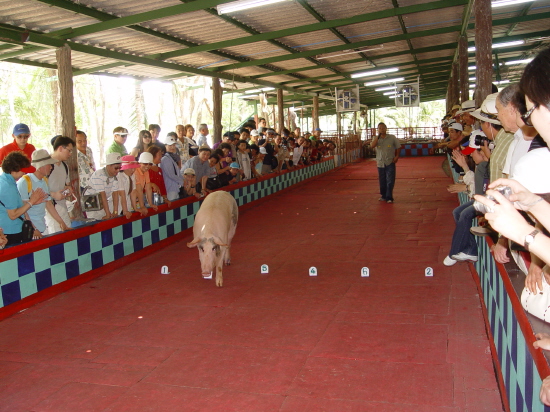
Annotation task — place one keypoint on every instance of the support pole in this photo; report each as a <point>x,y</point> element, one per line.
<point>454,97</point>
<point>315,116</point>
<point>484,40</point>
<point>68,128</point>
<point>217,113</point>
<point>463,68</point>
<point>280,111</point>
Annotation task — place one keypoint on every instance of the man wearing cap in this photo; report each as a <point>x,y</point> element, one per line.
<point>201,166</point>
<point>228,138</point>
<point>120,134</point>
<point>21,134</point>
<point>467,121</point>
<point>128,199</point>
<point>42,161</point>
<point>60,183</point>
<point>105,182</point>
<point>173,179</point>
<point>316,134</point>
<point>387,155</point>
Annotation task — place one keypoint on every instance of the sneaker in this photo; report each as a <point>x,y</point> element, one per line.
<point>462,257</point>
<point>390,201</point>
<point>449,261</point>
<point>381,199</point>
<point>481,231</point>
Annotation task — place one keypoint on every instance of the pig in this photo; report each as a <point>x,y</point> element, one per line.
<point>213,230</point>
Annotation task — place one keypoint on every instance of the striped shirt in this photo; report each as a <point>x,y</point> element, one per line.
<point>498,156</point>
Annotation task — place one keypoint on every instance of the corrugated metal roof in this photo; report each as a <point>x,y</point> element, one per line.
<point>140,49</point>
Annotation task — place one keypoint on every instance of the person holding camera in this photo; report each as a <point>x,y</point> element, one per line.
<point>463,245</point>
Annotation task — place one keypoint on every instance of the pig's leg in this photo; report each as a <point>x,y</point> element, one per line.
<point>219,276</point>
<point>227,255</point>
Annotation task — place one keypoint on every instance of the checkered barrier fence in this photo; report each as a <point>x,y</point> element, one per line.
<point>34,272</point>
<point>416,149</point>
<point>508,324</point>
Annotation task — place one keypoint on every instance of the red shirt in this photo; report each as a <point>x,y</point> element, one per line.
<point>155,175</point>
<point>13,147</point>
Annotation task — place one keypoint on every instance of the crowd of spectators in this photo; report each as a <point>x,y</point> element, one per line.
<point>501,149</point>
<point>35,185</point>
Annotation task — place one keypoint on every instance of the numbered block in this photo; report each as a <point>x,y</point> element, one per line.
<point>365,273</point>
<point>264,269</point>
<point>164,270</point>
<point>429,272</point>
<point>313,271</point>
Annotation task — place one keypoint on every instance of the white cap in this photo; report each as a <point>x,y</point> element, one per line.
<point>112,159</point>
<point>145,157</point>
<point>456,126</point>
<point>263,150</point>
<point>169,140</point>
<point>254,132</point>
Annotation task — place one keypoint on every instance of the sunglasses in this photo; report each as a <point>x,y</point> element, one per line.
<point>526,117</point>
<point>147,164</point>
<point>117,167</point>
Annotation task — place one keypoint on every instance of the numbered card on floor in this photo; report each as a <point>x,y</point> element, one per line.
<point>313,271</point>
<point>429,272</point>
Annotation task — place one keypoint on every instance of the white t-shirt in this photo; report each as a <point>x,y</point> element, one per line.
<point>518,148</point>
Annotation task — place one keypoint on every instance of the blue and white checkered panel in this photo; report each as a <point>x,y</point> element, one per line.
<point>28,274</point>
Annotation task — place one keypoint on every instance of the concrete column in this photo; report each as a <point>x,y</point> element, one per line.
<point>280,111</point>
<point>68,128</point>
<point>484,40</point>
<point>217,112</point>
<point>315,113</point>
<point>463,68</point>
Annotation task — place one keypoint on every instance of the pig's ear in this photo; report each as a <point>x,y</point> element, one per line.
<point>194,243</point>
<point>218,241</point>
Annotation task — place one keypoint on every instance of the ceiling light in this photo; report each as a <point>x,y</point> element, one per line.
<point>504,3</point>
<point>472,78</point>
<point>265,89</point>
<point>472,86</point>
<point>377,82</point>
<point>383,89</point>
<point>502,82</point>
<point>374,72</point>
<point>393,97</point>
<point>505,44</point>
<point>389,93</point>
<point>243,5</point>
<point>524,61</point>
<point>470,68</point>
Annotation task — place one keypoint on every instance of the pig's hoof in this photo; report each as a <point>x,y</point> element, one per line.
<point>228,262</point>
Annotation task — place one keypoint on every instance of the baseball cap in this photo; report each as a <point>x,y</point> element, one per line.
<point>317,130</point>
<point>120,131</point>
<point>189,171</point>
<point>456,126</point>
<point>169,140</point>
<point>21,128</point>
<point>254,133</point>
<point>234,165</point>
<point>472,147</point>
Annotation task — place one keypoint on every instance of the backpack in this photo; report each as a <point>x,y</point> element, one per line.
<point>29,183</point>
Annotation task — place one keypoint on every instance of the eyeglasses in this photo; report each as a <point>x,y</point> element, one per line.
<point>23,136</point>
<point>526,117</point>
<point>117,167</point>
<point>147,137</point>
<point>66,148</point>
<point>147,164</point>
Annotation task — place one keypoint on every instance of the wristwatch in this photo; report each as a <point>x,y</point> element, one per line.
<point>530,238</point>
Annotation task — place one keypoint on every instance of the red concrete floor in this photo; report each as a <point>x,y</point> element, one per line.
<point>137,340</point>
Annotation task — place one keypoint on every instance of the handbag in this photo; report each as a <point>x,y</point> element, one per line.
<point>27,230</point>
<point>92,203</point>
<point>537,304</point>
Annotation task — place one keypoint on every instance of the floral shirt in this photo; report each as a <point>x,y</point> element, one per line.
<point>86,166</point>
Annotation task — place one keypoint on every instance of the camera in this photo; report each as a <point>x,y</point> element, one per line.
<point>479,140</point>
<point>503,190</point>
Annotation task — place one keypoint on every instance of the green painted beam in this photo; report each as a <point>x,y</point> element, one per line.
<point>31,63</point>
<point>316,26</point>
<point>137,18</point>
<point>98,68</point>
<point>373,42</point>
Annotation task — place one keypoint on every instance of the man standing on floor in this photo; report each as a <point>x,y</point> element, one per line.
<point>387,155</point>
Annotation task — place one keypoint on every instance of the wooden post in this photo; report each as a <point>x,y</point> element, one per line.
<point>454,90</point>
<point>280,111</point>
<point>315,114</point>
<point>463,68</point>
<point>217,113</point>
<point>68,128</point>
<point>354,122</point>
<point>484,41</point>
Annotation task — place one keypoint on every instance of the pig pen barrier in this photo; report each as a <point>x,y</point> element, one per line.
<point>520,367</point>
<point>38,270</point>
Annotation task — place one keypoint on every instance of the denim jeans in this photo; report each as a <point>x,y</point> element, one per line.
<point>386,177</point>
<point>463,240</point>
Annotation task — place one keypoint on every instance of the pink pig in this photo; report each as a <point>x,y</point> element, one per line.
<point>213,230</point>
